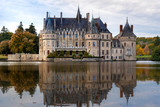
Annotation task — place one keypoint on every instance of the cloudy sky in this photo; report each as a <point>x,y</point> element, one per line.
<point>143,14</point>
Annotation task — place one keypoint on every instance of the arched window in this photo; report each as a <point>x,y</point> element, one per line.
<point>48,52</point>
<point>125,44</point>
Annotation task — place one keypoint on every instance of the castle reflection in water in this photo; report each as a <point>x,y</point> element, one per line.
<point>63,84</point>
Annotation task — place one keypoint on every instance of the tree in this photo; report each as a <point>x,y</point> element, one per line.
<point>4,47</point>
<point>20,28</point>
<point>5,34</point>
<point>31,29</point>
<point>146,50</point>
<point>157,41</point>
<point>156,54</point>
<point>22,42</point>
<point>4,29</point>
<point>139,50</point>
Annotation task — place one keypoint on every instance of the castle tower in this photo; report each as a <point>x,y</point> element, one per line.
<point>128,40</point>
<point>47,39</point>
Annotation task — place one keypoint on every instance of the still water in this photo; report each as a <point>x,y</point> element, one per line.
<point>87,84</point>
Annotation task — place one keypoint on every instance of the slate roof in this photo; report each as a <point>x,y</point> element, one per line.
<point>70,23</point>
<point>127,32</point>
<point>101,26</point>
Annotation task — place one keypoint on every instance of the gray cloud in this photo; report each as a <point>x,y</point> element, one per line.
<point>144,15</point>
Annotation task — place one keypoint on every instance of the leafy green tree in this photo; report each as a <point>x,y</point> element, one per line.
<point>5,34</point>
<point>4,47</point>
<point>156,54</point>
<point>157,41</point>
<point>31,29</point>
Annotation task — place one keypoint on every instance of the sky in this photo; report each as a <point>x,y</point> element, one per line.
<point>143,14</point>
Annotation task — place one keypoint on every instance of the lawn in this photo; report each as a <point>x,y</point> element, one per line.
<point>144,57</point>
<point>3,57</point>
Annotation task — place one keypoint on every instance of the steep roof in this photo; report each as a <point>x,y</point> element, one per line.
<point>127,31</point>
<point>102,27</point>
<point>70,23</point>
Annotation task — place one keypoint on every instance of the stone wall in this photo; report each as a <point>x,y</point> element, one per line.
<point>23,57</point>
<point>74,60</point>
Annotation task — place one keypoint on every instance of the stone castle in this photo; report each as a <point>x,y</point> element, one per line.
<point>80,34</point>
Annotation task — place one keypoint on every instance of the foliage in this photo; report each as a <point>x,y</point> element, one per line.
<point>20,28</point>
<point>5,34</point>
<point>156,54</point>
<point>22,42</point>
<point>67,53</point>
<point>139,50</point>
<point>51,55</point>
<point>86,54</point>
<point>146,50</point>
<point>61,54</point>
<point>80,54</point>
<point>73,55</point>
<point>31,29</point>
<point>4,47</point>
<point>157,41</point>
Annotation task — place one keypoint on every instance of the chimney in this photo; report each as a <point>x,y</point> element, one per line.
<point>87,16</point>
<point>46,15</point>
<point>54,22</point>
<point>132,28</point>
<point>44,24</point>
<point>121,28</point>
<point>105,25</point>
<point>61,17</point>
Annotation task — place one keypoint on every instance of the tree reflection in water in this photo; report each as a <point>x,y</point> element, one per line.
<point>76,83</point>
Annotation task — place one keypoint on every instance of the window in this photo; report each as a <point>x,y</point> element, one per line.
<point>116,57</point>
<point>107,57</point>
<point>102,44</point>
<point>106,44</point>
<point>48,43</point>
<point>102,52</point>
<point>88,35</point>
<point>120,57</point>
<point>57,44</point>
<point>53,36</point>
<point>93,44</point>
<point>125,44</point>
<point>94,36</point>
<point>82,35</point>
<point>76,43</point>
<point>116,51</point>
<point>63,35</point>
<point>89,43</point>
<point>69,35</point>
<point>52,43</point>
<point>102,36</point>
<point>82,44</point>
<point>107,36</point>
<point>132,44</point>
<point>107,52</point>
<point>76,35</point>
<point>120,51</point>
<point>57,36</point>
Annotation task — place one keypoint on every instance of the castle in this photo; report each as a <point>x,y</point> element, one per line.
<point>81,34</point>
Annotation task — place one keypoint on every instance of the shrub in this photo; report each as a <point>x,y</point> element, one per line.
<point>67,53</point>
<point>61,53</point>
<point>73,55</point>
<point>156,54</point>
<point>51,55</point>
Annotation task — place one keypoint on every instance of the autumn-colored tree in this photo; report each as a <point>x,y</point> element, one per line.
<point>4,47</point>
<point>22,42</point>
<point>139,50</point>
<point>146,50</point>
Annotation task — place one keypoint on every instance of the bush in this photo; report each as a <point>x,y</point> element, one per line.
<point>86,54</point>
<point>61,53</point>
<point>156,54</point>
<point>67,53</point>
<point>73,55</point>
<point>51,55</point>
<point>80,54</point>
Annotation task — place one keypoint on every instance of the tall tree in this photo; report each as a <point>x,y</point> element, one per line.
<point>157,41</point>
<point>20,28</point>
<point>4,47</point>
<point>5,34</point>
<point>31,29</point>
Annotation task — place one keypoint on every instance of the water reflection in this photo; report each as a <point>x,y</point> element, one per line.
<point>80,83</point>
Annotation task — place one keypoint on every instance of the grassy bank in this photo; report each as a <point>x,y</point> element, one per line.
<point>3,57</point>
<point>144,57</point>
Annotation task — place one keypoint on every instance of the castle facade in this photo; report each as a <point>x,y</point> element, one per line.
<point>81,34</point>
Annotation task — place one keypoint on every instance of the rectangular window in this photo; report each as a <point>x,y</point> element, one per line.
<point>82,44</point>
<point>107,52</point>
<point>102,52</point>
<point>48,43</point>
<point>53,43</point>
<point>106,44</point>
<point>76,35</point>
<point>116,51</point>
<point>76,43</point>
<point>89,44</point>
<point>120,51</point>
<point>102,44</point>
<point>57,44</point>
<point>93,44</point>
<point>69,35</point>
<point>63,35</point>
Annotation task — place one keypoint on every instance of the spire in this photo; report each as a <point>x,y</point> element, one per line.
<point>93,26</point>
<point>79,16</point>
<point>49,27</point>
<point>127,20</point>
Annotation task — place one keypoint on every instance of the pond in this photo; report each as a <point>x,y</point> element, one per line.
<point>80,84</point>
